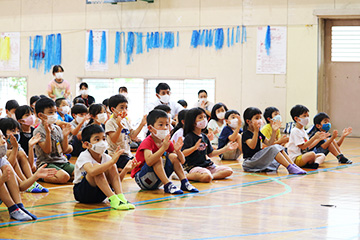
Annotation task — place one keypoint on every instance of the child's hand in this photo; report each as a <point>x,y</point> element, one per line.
<point>166,142</point>
<point>275,125</point>
<point>43,172</point>
<point>284,139</point>
<point>347,131</point>
<point>13,141</point>
<point>117,154</point>
<point>178,144</point>
<point>232,146</point>
<point>66,130</point>
<point>256,126</point>
<point>197,144</point>
<point>216,131</point>
<point>131,164</point>
<point>34,140</point>
<point>86,118</point>
<point>143,120</point>
<point>5,174</point>
<point>335,134</point>
<point>63,125</point>
<point>239,120</point>
<point>44,122</point>
<point>321,135</point>
<point>210,135</point>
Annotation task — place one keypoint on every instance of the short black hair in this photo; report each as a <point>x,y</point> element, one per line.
<point>154,115</point>
<point>11,104</point>
<point>181,116</point>
<point>116,100</point>
<point>105,102</point>
<point>22,110</point>
<point>183,103</point>
<point>319,117</point>
<point>83,84</point>
<point>297,110</point>
<point>163,107</point>
<point>79,108</point>
<point>78,100</point>
<point>248,115</point>
<point>123,88</point>
<point>201,91</point>
<point>229,112</point>
<point>58,101</point>
<point>56,69</point>
<point>216,107</point>
<point>8,124</point>
<point>43,96</point>
<point>89,130</point>
<point>268,113</point>
<point>44,103</point>
<point>162,86</point>
<point>190,119</point>
<point>34,99</point>
<point>95,108</point>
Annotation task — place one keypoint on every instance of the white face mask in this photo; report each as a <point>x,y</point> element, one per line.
<point>65,110</point>
<point>79,119</point>
<point>84,92</point>
<point>100,147</point>
<point>304,121</point>
<point>165,98</point>
<point>125,94</point>
<point>233,123</point>
<point>51,119</point>
<point>101,117</point>
<point>3,150</point>
<point>202,124</point>
<point>220,115</point>
<point>277,118</point>
<point>59,75</point>
<point>202,100</point>
<point>161,134</point>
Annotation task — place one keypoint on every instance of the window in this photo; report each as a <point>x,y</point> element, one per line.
<point>142,91</point>
<point>13,88</point>
<point>345,44</point>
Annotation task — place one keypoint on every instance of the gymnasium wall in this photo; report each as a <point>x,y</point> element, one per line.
<point>234,69</point>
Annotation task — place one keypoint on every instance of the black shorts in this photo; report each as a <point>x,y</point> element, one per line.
<point>85,193</point>
<point>122,161</point>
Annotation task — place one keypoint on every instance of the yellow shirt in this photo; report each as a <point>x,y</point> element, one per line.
<point>267,131</point>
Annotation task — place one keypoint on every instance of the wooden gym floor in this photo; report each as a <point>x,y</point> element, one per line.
<point>324,204</point>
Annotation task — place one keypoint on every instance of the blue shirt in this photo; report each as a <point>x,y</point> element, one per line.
<point>67,118</point>
<point>224,136</point>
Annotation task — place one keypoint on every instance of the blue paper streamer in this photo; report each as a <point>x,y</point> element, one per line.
<point>90,57</point>
<point>232,37</point>
<point>268,40</point>
<point>202,38</point>
<point>237,34</point>
<point>161,39</point>
<point>49,52</point>
<point>30,51</point>
<point>243,36</point>
<point>219,38</point>
<point>139,43</point>
<point>228,37</point>
<point>37,55</point>
<point>211,37</point>
<point>117,47</point>
<point>177,38</point>
<point>169,40</point>
<point>195,38</point>
<point>103,48</point>
<point>156,43</point>
<point>129,47</point>
<point>58,50</point>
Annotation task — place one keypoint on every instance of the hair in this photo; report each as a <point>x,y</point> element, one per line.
<point>11,104</point>
<point>163,107</point>
<point>78,100</point>
<point>34,99</point>
<point>22,110</point>
<point>106,102</point>
<point>297,110</point>
<point>90,130</point>
<point>248,115</point>
<point>115,100</point>
<point>268,113</point>
<point>154,115</point>
<point>83,84</point>
<point>162,86</point>
<point>94,110</point>
<point>190,119</point>
<point>58,101</point>
<point>123,88</point>
<point>79,108</point>
<point>43,96</point>
<point>44,103</point>
<point>56,69</point>
<point>201,91</point>
<point>229,112</point>
<point>181,116</point>
<point>319,117</point>
<point>183,103</point>
<point>216,107</point>
<point>8,124</point>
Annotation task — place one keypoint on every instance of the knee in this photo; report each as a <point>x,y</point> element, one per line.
<point>173,158</point>
<point>62,176</point>
<point>206,178</point>
<point>228,172</point>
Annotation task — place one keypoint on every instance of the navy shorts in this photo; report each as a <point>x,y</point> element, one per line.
<point>122,161</point>
<point>148,180</point>
<point>321,150</point>
<point>85,193</point>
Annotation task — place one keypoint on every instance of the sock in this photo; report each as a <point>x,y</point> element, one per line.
<point>186,186</point>
<point>42,189</point>
<point>123,199</point>
<point>293,169</point>
<point>18,214</point>
<point>339,156</point>
<point>13,208</point>
<point>21,206</point>
<point>117,204</point>
<point>343,159</point>
<point>171,188</point>
<point>33,189</point>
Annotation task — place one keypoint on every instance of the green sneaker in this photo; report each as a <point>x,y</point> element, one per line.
<point>123,199</point>
<point>117,204</point>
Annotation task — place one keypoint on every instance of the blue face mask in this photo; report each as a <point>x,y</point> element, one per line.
<point>326,127</point>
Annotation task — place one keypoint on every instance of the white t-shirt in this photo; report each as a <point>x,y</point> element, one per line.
<point>85,157</point>
<point>297,137</point>
<point>175,107</point>
<point>208,106</point>
<point>213,125</point>
<point>124,139</point>
<point>179,133</point>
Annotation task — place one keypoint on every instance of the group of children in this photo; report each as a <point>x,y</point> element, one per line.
<point>100,137</point>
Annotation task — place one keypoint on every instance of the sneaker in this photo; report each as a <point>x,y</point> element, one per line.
<point>20,215</point>
<point>172,189</point>
<point>344,160</point>
<point>188,187</point>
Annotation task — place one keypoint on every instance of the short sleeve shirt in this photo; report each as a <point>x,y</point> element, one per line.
<point>199,157</point>
<point>247,151</point>
<point>58,89</point>
<point>267,131</point>
<point>297,137</point>
<point>213,125</point>
<point>224,136</point>
<point>149,144</point>
<point>124,138</point>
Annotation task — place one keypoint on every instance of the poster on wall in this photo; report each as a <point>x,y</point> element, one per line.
<point>273,59</point>
<point>96,55</point>
<point>10,51</point>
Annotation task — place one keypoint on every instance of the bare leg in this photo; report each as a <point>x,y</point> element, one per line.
<point>13,187</point>
<point>204,176</point>
<point>4,193</point>
<point>160,172</point>
<point>334,149</point>
<point>222,174</point>
<point>60,177</point>
<point>113,178</point>
<point>238,140</point>
<point>24,164</point>
<point>177,166</point>
<point>308,158</point>
<point>287,157</point>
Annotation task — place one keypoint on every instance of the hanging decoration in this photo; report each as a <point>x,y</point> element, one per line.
<point>37,53</point>
<point>96,55</point>
<point>268,40</point>
<point>139,42</point>
<point>103,48</point>
<point>5,49</point>
<point>9,51</point>
<point>243,36</point>
<point>129,47</point>
<point>219,38</point>
<point>90,57</point>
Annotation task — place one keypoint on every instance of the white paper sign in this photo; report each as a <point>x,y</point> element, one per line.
<point>96,65</point>
<point>275,62</point>
<point>14,63</point>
